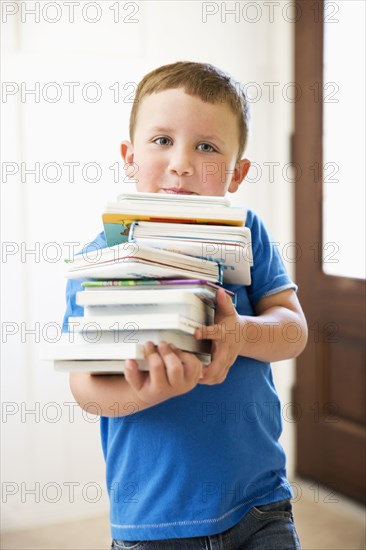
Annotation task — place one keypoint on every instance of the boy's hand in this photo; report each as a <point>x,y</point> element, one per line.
<point>225,336</point>
<point>171,372</point>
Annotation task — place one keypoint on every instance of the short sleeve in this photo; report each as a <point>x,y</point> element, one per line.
<point>73,286</point>
<point>269,275</point>
<point>72,309</point>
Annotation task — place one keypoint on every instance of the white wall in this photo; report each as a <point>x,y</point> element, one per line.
<point>54,451</point>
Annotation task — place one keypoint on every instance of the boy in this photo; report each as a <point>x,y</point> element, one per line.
<point>192,454</point>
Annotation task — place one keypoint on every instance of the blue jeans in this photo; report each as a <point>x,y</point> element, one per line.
<point>268,527</point>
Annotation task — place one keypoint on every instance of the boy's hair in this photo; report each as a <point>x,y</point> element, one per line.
<point>207,82</point>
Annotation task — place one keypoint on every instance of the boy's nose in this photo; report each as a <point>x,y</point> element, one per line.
<point>181,163</point>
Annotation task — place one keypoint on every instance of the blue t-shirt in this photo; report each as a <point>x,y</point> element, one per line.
<point>195,464</point>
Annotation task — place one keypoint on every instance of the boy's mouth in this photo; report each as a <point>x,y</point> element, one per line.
<point>178,191</point>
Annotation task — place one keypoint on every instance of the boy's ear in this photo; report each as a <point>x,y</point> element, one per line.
<point>127,152</point>
<point>240,171</point>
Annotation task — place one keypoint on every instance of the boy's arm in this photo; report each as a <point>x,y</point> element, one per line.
<point>171,373</point>
<point>277,332</point>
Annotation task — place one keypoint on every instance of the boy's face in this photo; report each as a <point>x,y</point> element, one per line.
<point>183,145</point>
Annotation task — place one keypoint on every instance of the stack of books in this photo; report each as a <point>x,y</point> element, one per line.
<point>156,281</point>
<point>204,227</point>
<point>121,316</point>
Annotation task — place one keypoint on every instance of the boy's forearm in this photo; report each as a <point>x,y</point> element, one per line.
<point>275,335</point>
<point>110,395</point>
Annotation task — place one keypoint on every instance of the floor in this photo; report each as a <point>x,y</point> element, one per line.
<point>324,521</point>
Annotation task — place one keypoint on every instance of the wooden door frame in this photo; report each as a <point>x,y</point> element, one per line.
<point>314,284</point>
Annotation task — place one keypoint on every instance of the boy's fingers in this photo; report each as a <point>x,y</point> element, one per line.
<point>157,368</point>
<point>224,303</point>
<point>190,368</point>
<point>217,371</point>
<point>173,364</point>
<point>134,376</point>
<point>199,372</point>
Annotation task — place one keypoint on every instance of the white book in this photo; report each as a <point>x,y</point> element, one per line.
<point>76,350</point>
<point>154,296</point>
<point>139,302</point>
<point>207,201</point>
<point>108,367</point>
<point>205,290</point>
<point>200,314</point>
<point>164,207</point>
<point>94,366</point>
<point>166,321</point>
<point>220,233</point>
<point>131,261</point>
<point>72,353</point>
<point>182,340</point>
<point>66,350</point>
<point>231,246</point>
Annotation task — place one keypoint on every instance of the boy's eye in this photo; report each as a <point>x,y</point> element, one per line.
<point>162,141</point>
<point>206,148</point>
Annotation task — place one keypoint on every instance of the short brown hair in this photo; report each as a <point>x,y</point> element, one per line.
<point>206,81</point>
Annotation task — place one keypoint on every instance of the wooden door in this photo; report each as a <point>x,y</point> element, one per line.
<point>330,377</point>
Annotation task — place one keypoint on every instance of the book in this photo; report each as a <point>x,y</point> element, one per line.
<point>138,302</point>
<point>176,231</point>
<point>138,297</point>
<point>230,246</point>
<point>205,290</point>
<point>66,350</point>
<point>133,261</point>
<point>72,345</point>
<point>204,315</point>
<point>206,201</point>
<point>147,321</point>
<point>95,366</point>
<point>158,207</point>
<point>108,367</point>
<point>69,354</point>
